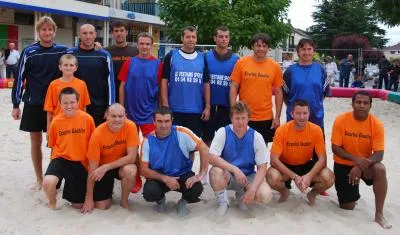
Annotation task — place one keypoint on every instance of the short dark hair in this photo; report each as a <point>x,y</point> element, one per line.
<point>303,42</point>
<point>240,107</point>
<point>118,24</point>
<point>145,35</point>
<point>220,28</point>
<point>163,110</point>
<point>68,91</point>
<point>188,28</point>
<point>361,92</point>
<point>301,103</point>
<point>263,37</point>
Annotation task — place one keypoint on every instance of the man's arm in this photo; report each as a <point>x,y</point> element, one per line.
<point>278,106</point>
<point>233,92</point>
<point>249,196</point>
<point>148,173</point>
<point>88,205</point>
<point>277,164</point>
<point>376,157</point>
<point>363,163</point>
<point>206,112</point>
<point>122,93</point>
<point>164,92</point>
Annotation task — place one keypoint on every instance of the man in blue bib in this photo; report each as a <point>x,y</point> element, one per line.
<point>236,149</point>
<point>166,165</point>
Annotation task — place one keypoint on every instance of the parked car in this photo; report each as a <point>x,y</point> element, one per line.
<point>371,72</point>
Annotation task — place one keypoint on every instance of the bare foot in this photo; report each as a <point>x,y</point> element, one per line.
<point>382,221</point>
<point>52,206</point>
<point>124,205</point>
<point>37,186</point>
<point>311,198</point>
<point>284,195</point>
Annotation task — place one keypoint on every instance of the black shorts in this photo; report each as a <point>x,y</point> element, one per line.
<point>264,128</point>
<point>189,120</point>
<point>299,170</point>
<point>34,118</point>
<point>75,177</point>
<point>346,192</point>
<point>97,112</point>
<point>103,189</point>
<point>219,117</point>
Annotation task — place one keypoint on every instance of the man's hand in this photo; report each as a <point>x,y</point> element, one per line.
<point>171,182</point>
<point>298,180</point>
<point>97,46</point>
<point>98,173</point>
<point>276,123</point>
<point>249,196</point>
<point>240,177</point>
<point>362,163</point>
<point>306,181</point>
<point>354,175</point>
<point>192,180</point>
<point>88,206</point>
<point>16,113</point>
<point>206,114</point>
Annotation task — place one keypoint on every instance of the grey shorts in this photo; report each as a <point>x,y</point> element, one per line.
<point>234,185</point>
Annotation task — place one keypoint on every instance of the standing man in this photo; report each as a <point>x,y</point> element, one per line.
<point>96,69</point>
<point>236,150</point>
<point>166,164</point>
<point>120,50</point>
<point>384,70</point>
<point>358,145</point>
<point>112,154</point>
<point>345,67</point>
<point>139,88</point>
<point>12,61</point>
<point>37,67</point>
<point>219,62</point>
<point>254,77</point>
<point>306,80</point>
<point>185,88</point>
<point>292,156</point>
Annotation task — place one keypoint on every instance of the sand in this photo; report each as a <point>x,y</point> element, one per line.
<point>24,211</point>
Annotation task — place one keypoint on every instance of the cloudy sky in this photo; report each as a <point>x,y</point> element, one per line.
<point>300,14</point>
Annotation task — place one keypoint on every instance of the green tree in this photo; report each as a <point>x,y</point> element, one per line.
<point>335,18</point>
<point>243,17</point>
<point>388,11</point>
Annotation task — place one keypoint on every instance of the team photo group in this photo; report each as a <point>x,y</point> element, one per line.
<point>121,113</point>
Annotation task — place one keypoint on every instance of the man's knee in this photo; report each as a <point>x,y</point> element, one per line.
<point>327,177</point>
<point>192,195</point>
<point>152,191</point>
<point>50,183</point>
<point>128,171</point>
<point>348,206</point>
<point>379,170</point>
<point>273,176</point>
<point>264,193</point>
<point>103,205</point>
<point>217,175</point>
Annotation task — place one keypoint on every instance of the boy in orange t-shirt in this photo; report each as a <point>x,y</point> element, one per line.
<point>254,78</point>
<point>69,135</point>
<point>68,65</point>
<point>292,156</point>
<point>112,153</point>
<point>358,146</point>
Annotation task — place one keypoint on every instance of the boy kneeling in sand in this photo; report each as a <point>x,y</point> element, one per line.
<point>69,136</point>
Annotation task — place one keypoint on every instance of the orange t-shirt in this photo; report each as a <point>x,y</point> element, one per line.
<point>106,146</point>
<point>256,81</point>
<point>296,147</point>
<point>69,136</point>
<point>359,138</point>
<point>51,103</point>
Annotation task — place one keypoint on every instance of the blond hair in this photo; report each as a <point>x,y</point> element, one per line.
<point>68,57</point>
<point>46,20</point>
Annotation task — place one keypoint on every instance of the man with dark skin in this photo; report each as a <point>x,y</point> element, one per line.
<point>358,147</point>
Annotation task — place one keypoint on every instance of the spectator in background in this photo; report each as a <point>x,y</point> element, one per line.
<point>2,65</point>
<point>384,70</point>
<point>345,67</point>
<point>358,83</point>
<point>331,69</point>
<point>287,61</point>
<point>395,75</point>
<point>12,61</point>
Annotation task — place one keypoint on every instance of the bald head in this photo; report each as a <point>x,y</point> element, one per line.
<point>116,117</point>
<point>87,34</point>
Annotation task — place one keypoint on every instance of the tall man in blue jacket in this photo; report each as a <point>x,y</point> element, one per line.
<point>96,69</point>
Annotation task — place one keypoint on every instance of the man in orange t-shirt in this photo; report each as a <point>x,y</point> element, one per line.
<point>358,146</point>
<point>254,78</point>
<point>292,156</point>
<point>69,136</point>
<point>112,153</point>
